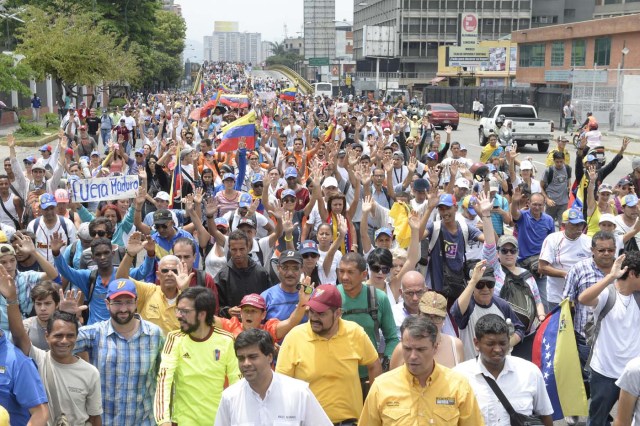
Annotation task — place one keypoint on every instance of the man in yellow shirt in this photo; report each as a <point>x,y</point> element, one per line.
<point>157,303</point>
<point>326,352</point>
<point>196,362</point>
<point>420,391</point>
<point>491,149</point>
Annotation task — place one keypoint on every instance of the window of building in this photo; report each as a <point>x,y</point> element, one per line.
<point>613,1</point>
<point>569,13</point>
<point>531,55</point>
<point>578,53</point>
<point>557,54</point>
<point>602,51</point>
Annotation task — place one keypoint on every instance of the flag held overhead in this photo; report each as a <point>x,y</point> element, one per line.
<point>244,127</point>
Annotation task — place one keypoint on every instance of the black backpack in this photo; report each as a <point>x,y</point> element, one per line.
<point>517,293</point>
<point>550,174</point>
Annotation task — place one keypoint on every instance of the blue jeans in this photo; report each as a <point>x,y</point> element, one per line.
<point>583,354</point>
<point>105,134</point>
<point>604,395</point>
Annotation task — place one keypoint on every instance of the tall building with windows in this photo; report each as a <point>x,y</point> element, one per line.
<point>561,12</point>
<point>228,44</point>
<point>423,25</point>
<point>319,29</point>
<point>611,8</point>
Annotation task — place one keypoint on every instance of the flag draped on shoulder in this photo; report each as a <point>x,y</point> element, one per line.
<point>289,94</point>
<point>175,196</point>
<point>330,133</point>
<point>555,352</point>
<point>243,127</point>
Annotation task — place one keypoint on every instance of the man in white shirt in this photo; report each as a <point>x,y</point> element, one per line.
<point>560,251</point>
<point>615,303</point>
<point>520,380</point>
<point>264,397</point>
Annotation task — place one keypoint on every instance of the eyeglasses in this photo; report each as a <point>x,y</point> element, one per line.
<point>379,268</point>
<point>508,251</point>
<point>138,155</point>
<point>183,312</point>
<point>482,284</point>
<point>606,250</point>
<point>167,270</point>
<point>161,226</point>
<point>120,303</point>
<point>309,255</point>
<point>308,289</point>
<point>98,233</point>
<point>436,319</point>
<point>412,294</point>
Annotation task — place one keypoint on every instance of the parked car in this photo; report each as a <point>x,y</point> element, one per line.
<point>442,115</point>
<point>525,128</point>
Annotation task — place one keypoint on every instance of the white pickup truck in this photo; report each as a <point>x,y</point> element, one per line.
<point>526,127</point>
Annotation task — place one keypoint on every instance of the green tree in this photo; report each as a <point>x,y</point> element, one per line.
<point>278,49</point>
<point>12,76</point>
<point>64,42</point>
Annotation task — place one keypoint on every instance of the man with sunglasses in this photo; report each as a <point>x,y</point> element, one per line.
<point>283,299</point>
<point>478,299</point>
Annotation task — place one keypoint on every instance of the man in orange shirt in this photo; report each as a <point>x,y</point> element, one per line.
<point>253,310</point>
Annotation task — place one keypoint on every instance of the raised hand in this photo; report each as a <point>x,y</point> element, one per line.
<point>287,222</point>
<point>625,144</point>
<point>69,302</point>
<point>211,206</point>
<point>198,194</point>
<point>413,164</point>
<point>432,197</point>
<point>593,173</point>
<point>277,210</point>
<point>188,203</point>
<point>24,243</point>
<point>183,279</point>
<point>7,285</point>
<point>484,203</point>
<point>448,129</point>
<point>478,270</point>
<point>414,221</point>
<point>137,242</point>
<point>57,243</point>
<point>303,296</point>
<point>142,174</point>
<point>141,196</point>
<point>11,140</point>
<point>343,226</point>
<point>367,204</point>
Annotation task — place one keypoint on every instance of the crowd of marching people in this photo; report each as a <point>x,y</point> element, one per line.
<point>250,254</point>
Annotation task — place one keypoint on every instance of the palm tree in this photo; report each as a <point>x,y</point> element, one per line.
<point>278,49</point>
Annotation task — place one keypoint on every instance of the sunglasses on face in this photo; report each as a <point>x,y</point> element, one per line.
<point>161,226</point>
<point>167,270</point>
<point>482,284</point>
<point>258,185</point>
<point>508,251</point>
<point>308,289</point>
<point>310,255</point>
<point>98,233</point>
<point>378,268</point>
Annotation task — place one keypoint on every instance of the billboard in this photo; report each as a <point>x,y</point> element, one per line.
<point>468,29</point>
<point>378,41</point>
<point>467,56</point>
<point>497,60</point>
<point>225,27</point>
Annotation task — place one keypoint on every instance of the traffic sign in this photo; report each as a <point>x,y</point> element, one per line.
<point>318,62</point>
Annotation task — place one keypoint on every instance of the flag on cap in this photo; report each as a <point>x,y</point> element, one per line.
<point>232,133</point>
<point>556,354</point>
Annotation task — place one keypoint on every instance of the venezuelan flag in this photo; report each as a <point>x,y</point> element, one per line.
<point>232,133</point>
<point>175,195</point>
<point>235,101</point>
<point>330,133</point>
<point>225,88</point>
<point>556,354</point>
<point>289,94</point>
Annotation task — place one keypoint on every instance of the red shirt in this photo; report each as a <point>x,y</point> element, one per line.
<point>302,197</point>
<point>234,326</point>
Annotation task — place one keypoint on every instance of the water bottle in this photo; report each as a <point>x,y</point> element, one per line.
<point>512,329</point>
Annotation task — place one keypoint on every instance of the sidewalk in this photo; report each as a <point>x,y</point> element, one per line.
<point>8,128</point>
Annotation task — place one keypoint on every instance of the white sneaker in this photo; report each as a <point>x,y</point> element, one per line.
<point>571,420</point>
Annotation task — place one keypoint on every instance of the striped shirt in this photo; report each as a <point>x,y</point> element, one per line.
<point>24,282</point>
<point>127,368</point>
<point>580,277</point>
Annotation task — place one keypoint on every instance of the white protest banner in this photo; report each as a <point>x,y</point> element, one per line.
<point>108,188</point>
<point>267,96</point>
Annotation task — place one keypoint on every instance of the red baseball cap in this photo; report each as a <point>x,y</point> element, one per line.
<point>325,296</point>
<point>254,300</point>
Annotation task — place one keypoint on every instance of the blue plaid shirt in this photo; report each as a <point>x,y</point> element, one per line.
<point>580,277</point>
<point>25,281</point>
<point>128,370</point>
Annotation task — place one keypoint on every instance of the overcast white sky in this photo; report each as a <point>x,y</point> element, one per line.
<point>260,16</point>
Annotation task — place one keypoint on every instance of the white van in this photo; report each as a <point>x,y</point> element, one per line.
<point>322,89</point>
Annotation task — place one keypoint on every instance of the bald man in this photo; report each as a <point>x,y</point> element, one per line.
<point>412,287</point>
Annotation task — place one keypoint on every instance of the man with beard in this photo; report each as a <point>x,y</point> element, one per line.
<point>62,373</point>
<point>126,349</point>
<point>92,282</point>
<point>196,361</point>
<point>334,380</point>
<point>283,397</point>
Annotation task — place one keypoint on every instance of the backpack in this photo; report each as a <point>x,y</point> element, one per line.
<point>517,293</point>
<point>454,282</point>
<point>592,327</point>
<point>63,225</point>
<point>550,174</point>
<point>372,310</point>
<point>93,278</point>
